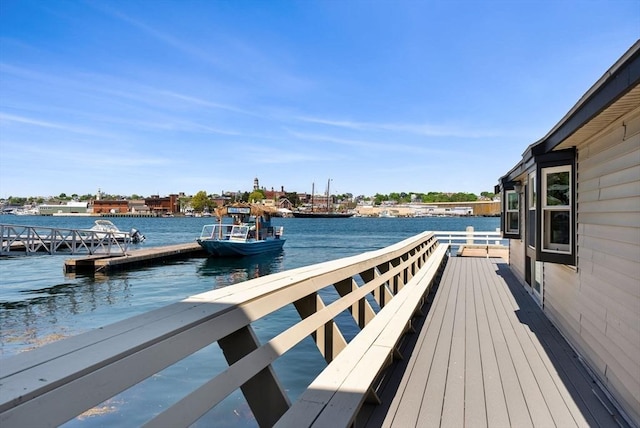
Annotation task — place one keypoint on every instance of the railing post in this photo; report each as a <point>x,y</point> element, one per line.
<point>381,294</point>
<point>263,392</point>
<point>4,247</point>
<point>361,311</point>
<point>470,235</point>
<point>329,338</point>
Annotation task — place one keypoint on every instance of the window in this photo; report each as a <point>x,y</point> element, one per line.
<point>531,215</point>
<point>556,209</point>
<point>510,212</point>
<point>512,223</point>
<point>544,215</point>
<point>555,203</point>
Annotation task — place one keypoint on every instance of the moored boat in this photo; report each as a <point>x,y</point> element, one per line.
<point>321,214</point>
<point>328,213</point>
<point>107,227</point>
<point>249,234</point>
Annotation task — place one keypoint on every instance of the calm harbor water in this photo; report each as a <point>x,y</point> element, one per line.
<point>40,304</point>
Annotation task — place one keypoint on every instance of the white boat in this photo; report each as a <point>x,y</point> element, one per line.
<point>108,227</point>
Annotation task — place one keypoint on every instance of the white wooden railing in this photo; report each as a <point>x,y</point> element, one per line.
<point>35,239</point>
<point>470,237</point>
<point>57,382</point>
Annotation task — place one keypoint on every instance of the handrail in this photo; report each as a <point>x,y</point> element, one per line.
<point>470,236</point>
<point>62,380</point>
<point>34,239</point>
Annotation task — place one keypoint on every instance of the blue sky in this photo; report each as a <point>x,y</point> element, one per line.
<point>160,97</point>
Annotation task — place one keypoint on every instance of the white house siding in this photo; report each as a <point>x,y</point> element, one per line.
<point>597,306</point>
<point>516,256</point>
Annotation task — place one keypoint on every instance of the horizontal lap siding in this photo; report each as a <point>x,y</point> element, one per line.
<point>560,288</point>
<point>516,257</point>
<point>598,306</point>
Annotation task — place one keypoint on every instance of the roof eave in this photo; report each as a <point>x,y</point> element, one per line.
<point>623,76</point>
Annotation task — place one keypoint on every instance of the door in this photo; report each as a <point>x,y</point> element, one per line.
<point>534,268</point>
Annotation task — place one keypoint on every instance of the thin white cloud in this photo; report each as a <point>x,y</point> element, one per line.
<point>79,156</point>
<point>151,31</point>
<point>391,146</point>
<point>205,103</point>
<point>234,54</point>
<point>270,155</point>
<point>418,129</point>
<point>6,119</point>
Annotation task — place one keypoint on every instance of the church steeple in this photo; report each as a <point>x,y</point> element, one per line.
<point>256,184</point>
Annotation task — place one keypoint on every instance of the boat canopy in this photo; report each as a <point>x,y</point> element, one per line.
<point>243,209</point>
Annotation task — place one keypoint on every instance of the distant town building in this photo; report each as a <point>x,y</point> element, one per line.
<point>165,205</point>
<point>107,206</point>
<point>275,195</point>
<point>72,207</point>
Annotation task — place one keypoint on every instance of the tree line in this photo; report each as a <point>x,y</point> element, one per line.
<point>430,197</point>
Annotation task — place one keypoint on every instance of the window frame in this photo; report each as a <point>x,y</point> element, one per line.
<point>549,244</point>
<point>509,188</point>
<point>508,210</point>
<point>560,161</point>
<point>532,216</point>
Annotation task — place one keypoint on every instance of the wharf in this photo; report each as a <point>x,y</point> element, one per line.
<point>136,258</point>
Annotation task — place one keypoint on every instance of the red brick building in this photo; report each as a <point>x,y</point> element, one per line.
<point>106,206</point>
<point>165,205</point>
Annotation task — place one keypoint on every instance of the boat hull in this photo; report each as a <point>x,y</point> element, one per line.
<point>226,248</point>
<point>300,214</point>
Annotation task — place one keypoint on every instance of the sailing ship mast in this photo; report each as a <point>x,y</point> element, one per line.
<point>329,213</point>
<point>328,195</point>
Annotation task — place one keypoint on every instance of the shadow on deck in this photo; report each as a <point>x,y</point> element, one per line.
<point>486,355</point>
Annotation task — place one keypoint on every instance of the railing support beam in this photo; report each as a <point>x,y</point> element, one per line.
<point>328,338</point>
<point>361,311</point>
<point>263,392</point>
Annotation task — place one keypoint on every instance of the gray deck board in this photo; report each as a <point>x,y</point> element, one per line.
<point>495,400</point>
<point>412,393</point>
<point>486,356</point>
<point>560,358</point>
<point>475,413</point>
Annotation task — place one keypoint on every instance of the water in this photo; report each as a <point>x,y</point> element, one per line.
<point>39,303</point>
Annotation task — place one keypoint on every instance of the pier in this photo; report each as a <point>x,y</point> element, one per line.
<point>441,341</point>
<point>15,239</point>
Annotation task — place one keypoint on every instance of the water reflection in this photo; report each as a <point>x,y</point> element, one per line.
<point>36,318</point>
<point>226,271</point>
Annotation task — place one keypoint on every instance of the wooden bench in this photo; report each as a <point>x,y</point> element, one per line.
<point>335,397</point>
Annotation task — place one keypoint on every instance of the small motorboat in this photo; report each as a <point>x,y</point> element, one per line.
<point>250,233</point>
<point>108,227</point>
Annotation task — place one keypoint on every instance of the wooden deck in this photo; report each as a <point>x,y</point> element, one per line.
<point>487,356</point>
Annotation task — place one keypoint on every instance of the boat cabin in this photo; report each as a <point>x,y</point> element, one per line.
<point>243,224</point>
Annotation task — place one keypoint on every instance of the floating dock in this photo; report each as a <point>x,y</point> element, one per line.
<point>136,258</point>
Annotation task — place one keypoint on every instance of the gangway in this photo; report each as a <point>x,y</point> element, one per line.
<point>18,239</point>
